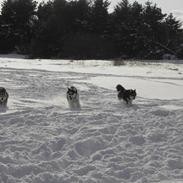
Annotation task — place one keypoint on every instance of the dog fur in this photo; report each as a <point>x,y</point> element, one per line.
<point>127,95</point>
<point>73,97</point>
<point>3,97</point>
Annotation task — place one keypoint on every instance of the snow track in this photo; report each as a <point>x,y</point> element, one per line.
<point>43,141</point>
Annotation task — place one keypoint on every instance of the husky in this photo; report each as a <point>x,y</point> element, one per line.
<point>3,97</point>
<point>73,97</point>
<point>127,95</point>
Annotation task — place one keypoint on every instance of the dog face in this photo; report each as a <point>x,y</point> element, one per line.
<point>71,93</point>
<point>73,98</point>
<point>3,96</point>
<point>132,94</point>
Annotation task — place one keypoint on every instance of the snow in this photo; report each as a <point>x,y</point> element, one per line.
<point>42,140</point>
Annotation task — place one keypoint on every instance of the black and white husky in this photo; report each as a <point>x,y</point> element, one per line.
<point>73,97</point>
<point>3,97</point>
<point>127,95</point>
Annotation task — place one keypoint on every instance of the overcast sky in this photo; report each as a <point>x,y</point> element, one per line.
<point>173,6</point>
<point>167,6</point>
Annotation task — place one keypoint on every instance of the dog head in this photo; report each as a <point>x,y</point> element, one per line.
<point>3,95</point>
<point>120,88</point>
<point>133,94</point>
<point>71,92</point>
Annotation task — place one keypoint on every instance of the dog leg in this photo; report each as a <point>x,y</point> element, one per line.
<point>126,100</point>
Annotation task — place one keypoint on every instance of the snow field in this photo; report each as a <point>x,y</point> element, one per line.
<point>43,141</point>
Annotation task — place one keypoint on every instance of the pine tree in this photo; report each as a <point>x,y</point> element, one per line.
<point>99,17</point>
<point>122,27</point>
<point>173,29</point>
<point>153,20</point>
<point>43,43</point>
<point>80,11</point>
<point>18,15</point>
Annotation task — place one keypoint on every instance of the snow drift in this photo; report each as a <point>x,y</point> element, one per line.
<point>43,141</point>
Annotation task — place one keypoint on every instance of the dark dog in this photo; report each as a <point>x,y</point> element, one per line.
<point>3,96</point>
<point>126,95</point>
<point>73,97</point>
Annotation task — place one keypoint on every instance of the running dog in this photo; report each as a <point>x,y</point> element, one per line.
<point>127,95</point>
<point>73,97</point>
<point>3,97</point>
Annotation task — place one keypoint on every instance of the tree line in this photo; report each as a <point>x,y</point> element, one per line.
<point>85,29</point>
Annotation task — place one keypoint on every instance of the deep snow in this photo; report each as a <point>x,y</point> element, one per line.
<point>43,141</point>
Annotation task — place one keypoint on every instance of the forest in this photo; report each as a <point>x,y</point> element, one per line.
<point>85,29</point>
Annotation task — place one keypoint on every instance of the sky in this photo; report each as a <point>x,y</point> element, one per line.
<point>167,6</point>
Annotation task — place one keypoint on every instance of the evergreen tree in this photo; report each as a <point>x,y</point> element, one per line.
<point>18,16</point>
<point>58,22</point>
<point>173,35</point>
<point>7,43</point>
<point>80,10</point>
<point>85,29</point>
<point>43,42</point>
<point>173,27</point>
<point>122,27</point>
<point>99,17</point>
<point>153,19</point>
<point>137,38</point>
<point>45,10</point>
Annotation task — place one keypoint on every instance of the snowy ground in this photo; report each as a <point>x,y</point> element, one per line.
<point>43,141</point>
